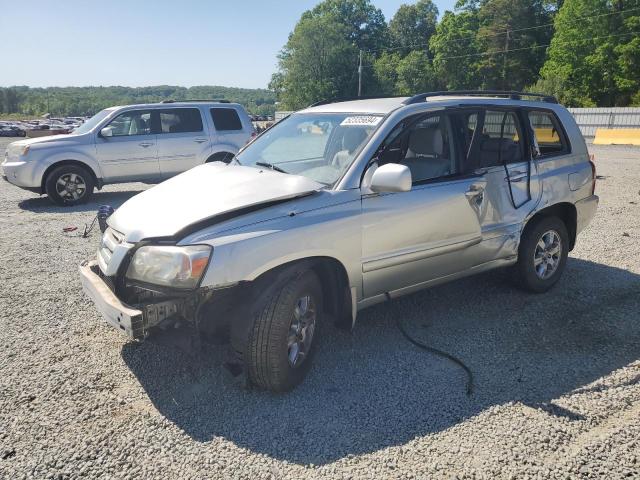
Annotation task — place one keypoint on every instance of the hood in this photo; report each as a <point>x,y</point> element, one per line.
<point>204,194</point>
<point>62,138</point>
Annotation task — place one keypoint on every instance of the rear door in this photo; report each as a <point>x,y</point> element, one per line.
<point>409,238</point>
<point>229,128</point>
<point>183,142</point>
<point>501,153</point>
<point>131,153</point>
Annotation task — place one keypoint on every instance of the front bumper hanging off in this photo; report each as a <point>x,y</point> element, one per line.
<point>131,321</point>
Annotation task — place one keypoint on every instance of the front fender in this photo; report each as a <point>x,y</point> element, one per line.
<point>50,159</point>
<point>245,254</point>
<point>223,147</point>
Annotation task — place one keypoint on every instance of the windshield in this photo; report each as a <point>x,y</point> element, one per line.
<point>92,122</point>
<point>319,146</point>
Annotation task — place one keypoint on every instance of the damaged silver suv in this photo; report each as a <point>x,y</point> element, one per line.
<point>341,206</point>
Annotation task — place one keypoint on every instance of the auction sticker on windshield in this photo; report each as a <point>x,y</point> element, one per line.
<point>361,120</point>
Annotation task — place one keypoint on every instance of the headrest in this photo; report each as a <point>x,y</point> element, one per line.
<point>426,141</point>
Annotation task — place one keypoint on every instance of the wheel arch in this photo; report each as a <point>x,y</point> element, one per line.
<point>566,212</point>
<point>334,281</point>
<point>229,312</point>
<point>214,157</point>
<point>97,181</point>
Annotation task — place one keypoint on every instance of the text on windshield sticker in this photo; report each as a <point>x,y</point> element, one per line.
<point>361,120</point>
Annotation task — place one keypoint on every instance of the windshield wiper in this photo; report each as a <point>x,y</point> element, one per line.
<point>271,166</point>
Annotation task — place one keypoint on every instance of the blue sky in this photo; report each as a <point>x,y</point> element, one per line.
<point>134,43</point>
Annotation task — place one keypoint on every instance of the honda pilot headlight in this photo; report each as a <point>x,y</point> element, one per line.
<point>178,267</point>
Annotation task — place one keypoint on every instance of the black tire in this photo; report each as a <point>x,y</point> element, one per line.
<point>268,354</point>
<point>224,157</point>
<point>538,269</point>
<point>72,175</point>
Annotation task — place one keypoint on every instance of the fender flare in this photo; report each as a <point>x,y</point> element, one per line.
<point>67,160</point>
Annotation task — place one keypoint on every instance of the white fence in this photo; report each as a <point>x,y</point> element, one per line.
<point>588,119</point>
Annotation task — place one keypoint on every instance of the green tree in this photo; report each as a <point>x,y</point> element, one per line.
<point>386,72</point>
<point>412,26</point>
<point>317,62</point>
<point>627,52</point>
<point>581,57</point>
<point>512,51</point>
<point>456,50</point>
<point>415,74</point>
<point>11,100</point>
<point>364,24</point>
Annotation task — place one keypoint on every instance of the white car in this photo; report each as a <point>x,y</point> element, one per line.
<point>147,143</point>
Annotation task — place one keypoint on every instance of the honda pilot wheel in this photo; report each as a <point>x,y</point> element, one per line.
<point>542,255</point>
<point>69,185</point>
<point>283,337</point>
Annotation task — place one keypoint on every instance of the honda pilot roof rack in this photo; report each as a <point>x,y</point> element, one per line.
<point>513,95</point>
<point>192,100</point>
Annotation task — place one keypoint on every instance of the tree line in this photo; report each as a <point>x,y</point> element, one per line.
<point>80,101</point>
<point>585,52</point>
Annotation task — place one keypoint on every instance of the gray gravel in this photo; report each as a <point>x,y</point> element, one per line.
<point>557,376</point>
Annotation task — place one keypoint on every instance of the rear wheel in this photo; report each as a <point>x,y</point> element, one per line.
<point>282,339</point>
<point>542,255</point>
<point>69,185</point>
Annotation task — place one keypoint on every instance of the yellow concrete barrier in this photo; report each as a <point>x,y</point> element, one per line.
<point>617,136</point>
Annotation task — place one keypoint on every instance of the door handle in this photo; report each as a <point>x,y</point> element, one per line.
<point>145,144</point>
<point>200,140</point>
<point>517,177</point>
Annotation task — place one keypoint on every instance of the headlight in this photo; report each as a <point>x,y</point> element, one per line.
<point>179,267</point>
<point>24,150</point>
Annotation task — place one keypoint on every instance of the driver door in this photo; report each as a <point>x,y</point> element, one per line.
<point>409,238</point>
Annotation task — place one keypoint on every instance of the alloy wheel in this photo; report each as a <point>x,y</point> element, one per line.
<point>547,254</point>
<point>71,186</point>
<point>301,330</point>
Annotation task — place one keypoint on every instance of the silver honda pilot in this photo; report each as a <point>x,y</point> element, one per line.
<point>341,206</point>
<point>135,143</point>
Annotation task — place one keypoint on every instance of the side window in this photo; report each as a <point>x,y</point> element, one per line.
<point>135,122</point>
<point>180,120</point>
<point>427,148</point>
<point>501,139</point>
<point>547,133</point>
<point>226,119</point>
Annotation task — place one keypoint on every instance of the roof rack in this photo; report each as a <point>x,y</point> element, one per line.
<point>513,95</point>
<point>184,101</point>
<point>348,99</point>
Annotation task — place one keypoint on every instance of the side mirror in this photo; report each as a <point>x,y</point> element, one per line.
<point>391,177</point>
<point>106,132</point>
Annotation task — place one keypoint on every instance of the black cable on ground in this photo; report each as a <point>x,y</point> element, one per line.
<point>87,230</point>
<point>440,353</point>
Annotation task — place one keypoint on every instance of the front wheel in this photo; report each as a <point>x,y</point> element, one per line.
<point>282,340</point>
<point>542,255</point>
<point>69,185</point>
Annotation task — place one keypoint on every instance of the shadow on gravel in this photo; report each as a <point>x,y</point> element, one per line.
<point>43,204</point>
<point>371,389</point>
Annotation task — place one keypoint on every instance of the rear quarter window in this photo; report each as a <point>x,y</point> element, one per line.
<point>548,133</point>
<point>226,119</point>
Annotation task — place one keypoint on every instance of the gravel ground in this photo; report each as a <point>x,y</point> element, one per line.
<point>557,376</point>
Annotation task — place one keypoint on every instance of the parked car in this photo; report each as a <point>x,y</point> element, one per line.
<point>341,206</point>
<point>148,143</point>
<point>11,131</point>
